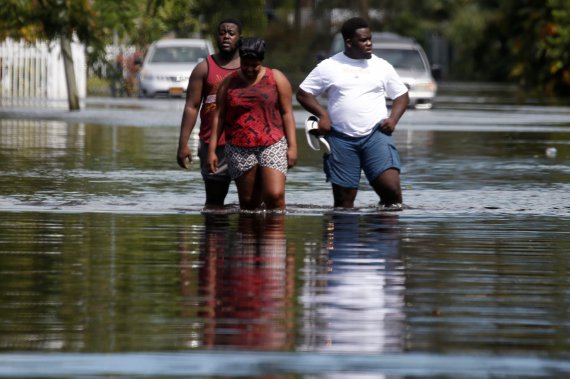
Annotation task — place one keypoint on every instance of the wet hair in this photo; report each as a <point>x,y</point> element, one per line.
<point>251,48</point>
<point>230,21</point>
<point>351,25</point>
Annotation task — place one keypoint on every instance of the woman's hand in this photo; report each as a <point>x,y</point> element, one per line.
<point>291,156</point>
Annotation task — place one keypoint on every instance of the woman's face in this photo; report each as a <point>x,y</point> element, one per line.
<point>250,67</point>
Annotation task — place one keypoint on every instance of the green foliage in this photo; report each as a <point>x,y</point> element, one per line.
<point>178,17</point>
<point>117,17</point>
<point>12,22</point>
<point>251,13</point>
<point>542,58</point>
<point>97,86</point>
<point>523,40</point>
<point>467,21</point>
<point>518,40</point>
<point>33,19</point>
<point>293,51</point>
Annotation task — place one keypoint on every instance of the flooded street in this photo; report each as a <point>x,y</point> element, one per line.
<point>110,268</point>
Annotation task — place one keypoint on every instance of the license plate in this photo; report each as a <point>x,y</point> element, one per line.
<point>176,91</point>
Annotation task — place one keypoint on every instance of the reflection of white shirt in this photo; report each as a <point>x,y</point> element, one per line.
<point>354,302</point>
<point>356,89</point>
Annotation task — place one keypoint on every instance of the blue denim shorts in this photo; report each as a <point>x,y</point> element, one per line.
<point>373,154</point>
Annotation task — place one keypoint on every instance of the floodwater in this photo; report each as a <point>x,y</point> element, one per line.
<point>109,267</point>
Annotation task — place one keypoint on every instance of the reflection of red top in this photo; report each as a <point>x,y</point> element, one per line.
<point>215,76</point>
<point>252,112</point>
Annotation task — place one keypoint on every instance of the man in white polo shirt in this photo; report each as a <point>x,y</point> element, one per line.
<point>357,124</point>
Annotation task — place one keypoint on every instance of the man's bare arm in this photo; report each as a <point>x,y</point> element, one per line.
<point>190,114</point>
<point>399,106</point>
<point>312,105</point>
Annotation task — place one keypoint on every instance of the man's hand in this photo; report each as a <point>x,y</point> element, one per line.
<point>388,126</point>
<point>184,157</point>
<point>325,124</point>
<point>311,104</point>
<point>213,162</point>
<point>399,106</point>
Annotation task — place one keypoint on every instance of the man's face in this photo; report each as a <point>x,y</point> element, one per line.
<point>228,37</point>
<point>360,45</point>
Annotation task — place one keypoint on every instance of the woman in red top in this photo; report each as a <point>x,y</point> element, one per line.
<point>253,106</point>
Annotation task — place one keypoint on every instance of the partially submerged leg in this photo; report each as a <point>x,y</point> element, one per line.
<point>249,191</point>
<point>344,197</point>
<point>216,192</point>
<point>218,184</point>
<point>272,183</point>
<point>387,187</point>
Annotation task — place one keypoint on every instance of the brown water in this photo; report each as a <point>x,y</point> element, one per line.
<point>109,268</point>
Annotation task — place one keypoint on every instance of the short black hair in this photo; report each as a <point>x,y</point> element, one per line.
<point>230,20</point>
<point>251,48</point>
<point>350,26</point>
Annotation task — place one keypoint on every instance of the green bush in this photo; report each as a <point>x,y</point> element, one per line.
<point>97,86</point>
<point>294,52</point>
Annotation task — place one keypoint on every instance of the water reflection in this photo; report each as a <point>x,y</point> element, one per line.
<point>375,288</point>
<point>353,297</point>
<point>103,249</point>
<point>499,285</point>
<point>245,282</point>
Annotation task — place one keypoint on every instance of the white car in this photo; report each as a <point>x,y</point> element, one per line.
<point>409,60</point>
<point>168,63</point>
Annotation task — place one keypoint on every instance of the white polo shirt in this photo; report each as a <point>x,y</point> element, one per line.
<point>357,91</point>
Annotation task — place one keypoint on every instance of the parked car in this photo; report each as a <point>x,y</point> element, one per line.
<point>168,63</point>
<point>409,60</point>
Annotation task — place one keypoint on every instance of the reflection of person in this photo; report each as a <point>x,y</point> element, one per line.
<point>132,68</point>
<point>117,80</point>
<point>254,108</point>
<point>241,286</point>
<point>253,295</point>
<point>357,125</point>
<point>202,88</point>
<point>358,300</point>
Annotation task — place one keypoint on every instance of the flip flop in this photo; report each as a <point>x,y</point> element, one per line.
<point>314,139</point>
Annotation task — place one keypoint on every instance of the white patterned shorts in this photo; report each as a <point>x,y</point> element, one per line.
<point>242,159</point>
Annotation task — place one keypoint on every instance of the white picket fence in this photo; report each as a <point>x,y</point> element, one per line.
<point>35,71</point>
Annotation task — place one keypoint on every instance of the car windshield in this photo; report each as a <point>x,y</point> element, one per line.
<point>402,59</point>
<point>178,54</point>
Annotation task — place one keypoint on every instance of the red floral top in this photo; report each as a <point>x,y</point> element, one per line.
<point>252,112</point>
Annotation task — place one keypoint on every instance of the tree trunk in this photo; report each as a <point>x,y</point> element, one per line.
<point>363,9</point>
<point>302,20</point>
<point>72,94</point>
<point>297,20</point>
